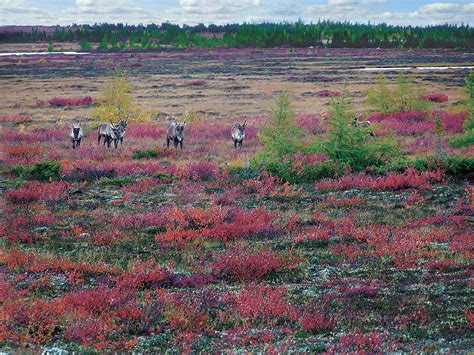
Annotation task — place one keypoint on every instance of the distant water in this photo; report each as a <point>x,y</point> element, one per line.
<point>41,53</point>
<point>412,68</point>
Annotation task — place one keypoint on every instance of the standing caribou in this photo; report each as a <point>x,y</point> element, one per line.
<point>238,133</point>
<point>122,124</point>
<point>123,129</point>
<point>175,133</point>
<point>76,134</point>
<point>113,132</point>
<point>365,124</point>
<point>110,132</point>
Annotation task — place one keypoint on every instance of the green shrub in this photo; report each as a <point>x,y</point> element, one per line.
<point>237,173</point>
<point>405,96</point>
<point>281,137</point>
<point>42,171</point>
<point>118,181</point>
<point>285,170</point>
<point>456,166</point>
<point>463,140</point>
<point>145,154</point>
<point>467,137</point>
<point>85,46</point>
<point>350,145</point>
<point>164,177</point>
<point>469,88</point>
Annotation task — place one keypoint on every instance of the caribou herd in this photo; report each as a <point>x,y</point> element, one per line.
<point>111,132</point>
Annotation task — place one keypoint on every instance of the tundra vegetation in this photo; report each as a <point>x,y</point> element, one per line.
<point>315,235</point>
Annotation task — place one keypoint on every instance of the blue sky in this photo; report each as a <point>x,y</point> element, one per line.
<point>406,12</point>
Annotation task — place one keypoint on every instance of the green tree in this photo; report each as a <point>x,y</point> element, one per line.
<point>380,97</point>
<point>282,136</point>
<point>50,45</point>
<point>145,40</point>
<point>350,144</point>
<point>113,40</point>
<point>467,137</point>
<point>104,43</point>
<point>85,46</point>
<point>405,96</point>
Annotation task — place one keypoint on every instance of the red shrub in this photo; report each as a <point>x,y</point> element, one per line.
<point>333,202</point>
<point>240,263</point>
<point>201,170</point>
<point>145,130</point>
<point>70,101</point>
<point>264,303</point>
<point>218,223</point>
<point>435,97</point>
<point>196,83</point>
<point>310,122</point>
<point>266,185</point>
<point>107,238</point>
<point>313,233</point>
<point>20,118</point>
<point>184,314</point>
<point>23,154</point>
<point>35,135</point>
<point>35,321</point>
<point>452,122</point>
<point>144,274</point>
<point>359,342</point>
<point>407,117</point>
<point>317,321</point>
<point>411,178</point>
<point>37,191</point>
<point>327,93</point>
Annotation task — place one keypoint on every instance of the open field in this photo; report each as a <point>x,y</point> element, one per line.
<point>219,82</point>
<point>143,248</point>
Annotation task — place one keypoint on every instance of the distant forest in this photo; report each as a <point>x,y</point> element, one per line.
<point>264,35</point>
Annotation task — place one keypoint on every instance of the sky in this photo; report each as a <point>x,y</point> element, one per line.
<point>398,12</point>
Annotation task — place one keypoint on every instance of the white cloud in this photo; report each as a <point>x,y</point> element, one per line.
<point>431,14</point>
<point>84,2</point>
<point>230,11</point>
<point>341,2</point>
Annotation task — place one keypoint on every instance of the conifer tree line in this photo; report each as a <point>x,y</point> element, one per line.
<point>265,35</point>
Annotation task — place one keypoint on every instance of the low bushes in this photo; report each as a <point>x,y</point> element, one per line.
<point>406,96</point>
<point>456,166</point>
<point>42,171</point>
<point>219,223</point>
<point>435,97</point>
<point>145,154</point>
<point>411,178</point>
<point>249,265</point>
<point>37,191</point>
<point>70,101</point>
<point>463,140</point>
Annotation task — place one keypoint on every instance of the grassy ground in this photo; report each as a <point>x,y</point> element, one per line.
<point>191,250</point>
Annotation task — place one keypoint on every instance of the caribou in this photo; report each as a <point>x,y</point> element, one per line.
<point>76,134</point>
<point>365,124</point>
<point>175,133</point>
<point>238,133</point>
<point>122,124</point>
<point>123,129</point>
<point>110,132</point>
